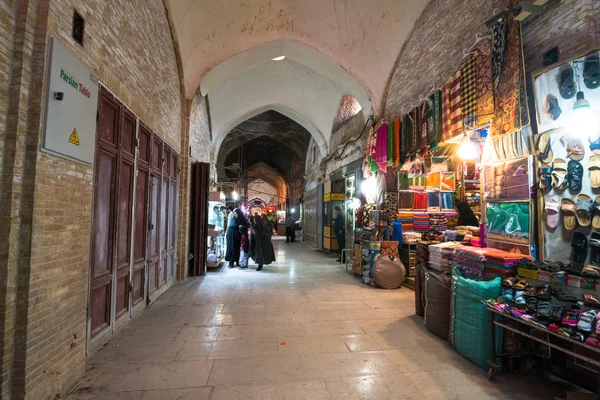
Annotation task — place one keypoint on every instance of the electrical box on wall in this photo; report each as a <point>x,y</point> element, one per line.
<point>71,106</point>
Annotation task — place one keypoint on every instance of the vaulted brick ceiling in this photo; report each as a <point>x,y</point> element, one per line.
<point>270,138</point>
<point>333,48</point>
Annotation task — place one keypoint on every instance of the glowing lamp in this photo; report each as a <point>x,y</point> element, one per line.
<point>279,58</point>
<point>584,122</point>
<point>235,195</point>
<point>356,203</point>
<point>467,149</point>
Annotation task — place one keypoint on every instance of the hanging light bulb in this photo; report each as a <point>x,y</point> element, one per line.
<point>467,149</point>
<point>235,195</point>
<point>584,122</point>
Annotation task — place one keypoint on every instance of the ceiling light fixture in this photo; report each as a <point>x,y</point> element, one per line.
<point>279,58</point>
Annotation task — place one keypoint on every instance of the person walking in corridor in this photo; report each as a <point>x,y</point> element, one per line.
<point>290,232</point>
<point>264,252</point>
<point>233,238</point>
<point>339,227</point>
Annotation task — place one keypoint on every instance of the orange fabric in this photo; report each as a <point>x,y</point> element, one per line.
<point>397,142</point>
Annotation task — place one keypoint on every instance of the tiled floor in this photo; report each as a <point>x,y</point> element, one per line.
<point>302,329</point>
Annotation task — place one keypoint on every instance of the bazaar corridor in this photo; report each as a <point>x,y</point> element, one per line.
<point>303,328</point>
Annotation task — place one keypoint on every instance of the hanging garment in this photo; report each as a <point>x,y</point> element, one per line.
<point>483,83</point>
<point>403,141</point>
<point>390,152</point>
<point>434,119</point>
<point>468,92</point>
<point>381,147</point>
<point>456,115</point>
<point>423,123</point>
<point>397,142</point>
<point>508,77</point>
<point>411,133</point>
<point>372,161</point>
<point>369,145</point>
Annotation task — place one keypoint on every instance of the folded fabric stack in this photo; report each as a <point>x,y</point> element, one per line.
<point>439,222</point>
<point>450,235</point>
<point>500,264</point>
<point>411,237</point>
<point>470,261</point>
<point>406,218</point>
<point>452,220</point>
<point>421,222</point>
<point>441,257</point>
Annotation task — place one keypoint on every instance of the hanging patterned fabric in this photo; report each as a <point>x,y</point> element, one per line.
<point>382,147</point>
<point>456,116</point>
<point>434,119</point>
<point>483,83</point>
<point>397,142</point>
<point>369,145</point>
<point>411,134</point>
<point>508,77</point>
<point>423,123</point>
<point>390,160</point>
<point>468,92</point>
<point>403,141</point>
<point>446,120</point>
<point>374,166</point>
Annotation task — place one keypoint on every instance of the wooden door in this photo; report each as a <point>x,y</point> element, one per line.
<point>140,248</point>
<point>126,159</point>
<point>199,217</point>
<point>102,258</point>
<point>155,214</point>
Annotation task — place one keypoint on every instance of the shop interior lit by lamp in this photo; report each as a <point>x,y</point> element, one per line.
<point>369,188</point>
<point>467,149</point>
<point>584,121</point>
<point>235,195</point>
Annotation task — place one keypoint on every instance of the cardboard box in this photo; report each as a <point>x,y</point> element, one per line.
<point>527,273</point>
<point>580,282</point>
<point>554,278</point>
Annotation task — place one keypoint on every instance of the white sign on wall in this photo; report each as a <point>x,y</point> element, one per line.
<point>71,106</point>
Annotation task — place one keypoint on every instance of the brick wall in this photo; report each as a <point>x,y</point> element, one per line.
<point>196,147</point>
<point>572,25</point>
<point>46,201</point>
<point>433,50</point>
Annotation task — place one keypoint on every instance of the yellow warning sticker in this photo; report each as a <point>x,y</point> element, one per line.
<point>74,137</point>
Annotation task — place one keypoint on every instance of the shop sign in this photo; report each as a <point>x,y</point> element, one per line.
<point>334,197</point>
<point>71,106</point>
<point>327,197</point>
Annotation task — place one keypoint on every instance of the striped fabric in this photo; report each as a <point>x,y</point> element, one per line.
<point>446,125</point>
<point>468,91</point>
<point>423,124</point>
<point>456,115</point>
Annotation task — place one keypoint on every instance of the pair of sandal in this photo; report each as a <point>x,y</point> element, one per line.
<point>586,321</point>
<point>579,243</point>
<point>573,213</point>
<point>563,175</point>
<point>560,294</point>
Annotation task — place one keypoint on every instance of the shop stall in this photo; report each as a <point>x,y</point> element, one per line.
<point>216,229</point>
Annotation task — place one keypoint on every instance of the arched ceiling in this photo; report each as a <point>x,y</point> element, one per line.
<point>362,37</point>
<point>332,49</point>
<point>269,138</point>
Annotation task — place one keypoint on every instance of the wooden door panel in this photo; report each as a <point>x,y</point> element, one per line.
<point>128,134</point>
<point>124,214</point>
<point>104,216</point>
<point>144,136</point>
<point>153,276</point>
<point>108,120</point>
<point>154,216</point>
<point>164,207</point>
<point>100,307</point>
<point>172,216</point>
<point>138,280</point>
<point>122,303</point>
<point>141,216</point>
<point>157,154</point>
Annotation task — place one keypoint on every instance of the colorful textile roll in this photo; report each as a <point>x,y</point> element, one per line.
<point>381,147</point>
<point>390,153</point>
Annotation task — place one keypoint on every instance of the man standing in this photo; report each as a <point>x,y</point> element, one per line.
<point>339,227</point>
<point>290,234</point>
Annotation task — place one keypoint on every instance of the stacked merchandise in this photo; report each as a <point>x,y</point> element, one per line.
<point>421,222</point>
<point>406,219</point>
<point>422,261</point>
<point>452,219</point>
<point>500,264</point>
<point>411,237</point>
<point>408,254</point>
<point>470,261</point>
<point>439,222</point>
<point>441,257</point>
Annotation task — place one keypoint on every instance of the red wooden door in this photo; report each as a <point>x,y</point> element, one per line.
<point>155,214</point>
<point>140,248</point>
<point>102,260</point>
